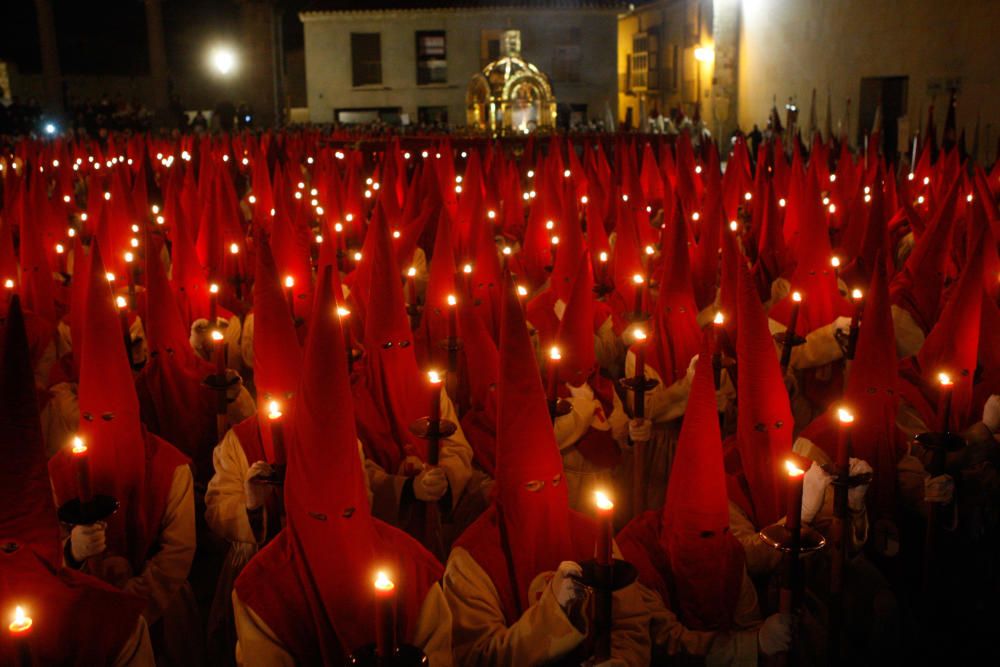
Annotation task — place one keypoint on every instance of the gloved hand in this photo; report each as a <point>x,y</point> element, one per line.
<point>256,494</point>
<point>842,325</point>
<point>583,392</point>
<point>640,430</point>
<point>940,489</point>
<point>430,484</point>
<point>814,491</point>
<point>87,541</point>
<point>991,414</point>
<point>566,589</point>
<point>691,367</point>
<point>856,494</point>
<point>775,635</point>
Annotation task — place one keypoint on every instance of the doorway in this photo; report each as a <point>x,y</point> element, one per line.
<point>890,92</point>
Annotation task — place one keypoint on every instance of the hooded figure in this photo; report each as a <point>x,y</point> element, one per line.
<point>508,579</point>
<point>691,568</point>
<point>78,619</point>
<point>149,477</point>
<point>390,396</point>
<point>308,596</point>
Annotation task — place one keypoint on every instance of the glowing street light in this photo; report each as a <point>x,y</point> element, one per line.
<point>223,60</point>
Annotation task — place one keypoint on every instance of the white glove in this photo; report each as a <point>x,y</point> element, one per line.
<point>814,491</point>
<point>583,391</point>
<point>256,494</point>
<point>991,414</point>
<point>940,489</point>
<point>87,541</point>
<point>430,484</point>
<point>856,494</point>
<point>566,589</point>
<point>843,325</point>
<point>691,366</point>
<point>640,430</point>
<point>775,635</point>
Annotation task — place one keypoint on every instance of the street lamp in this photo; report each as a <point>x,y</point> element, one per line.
<point>223,60</point>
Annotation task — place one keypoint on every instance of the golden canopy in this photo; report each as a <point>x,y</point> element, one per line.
<point>510,95</point>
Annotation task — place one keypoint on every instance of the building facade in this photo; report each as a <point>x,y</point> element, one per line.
<point>370,60</point>
<point>740,57</point>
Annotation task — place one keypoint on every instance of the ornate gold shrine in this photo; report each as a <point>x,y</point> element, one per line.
<point>510,95</point>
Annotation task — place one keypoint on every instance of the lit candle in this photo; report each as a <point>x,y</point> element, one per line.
<point>786,352</point>
<point>835,263</point>
<point>605,520</point>
<point>385,616</point>
<point>467,276</point>
<point>219,351</point>
<point>411,286</point>
<point>846,419</point>
<point>717,323</point>
<point>213,304</point>
<point>452,319</point>
<point>20,631</point>
<point>122,304</point>
<point>944,401</point>
<point>793,506</point>
<point>858,297</point>
<point>81,457</point>
<point>647,257</point>
<point>639,282</point>
<point>640,353</point>
<point>275,418</point>
<point>435,379</point>
<point>603,259</point>
<point>554,357</point>
<point>132,268</point>
<point>290,294</point>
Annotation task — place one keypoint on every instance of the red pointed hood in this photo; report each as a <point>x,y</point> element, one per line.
<point>276,351</point>
<point>705,560</point>
<point>323,609</point>
<point>576,330</point>
<point>26,512</point>
<point>765,423</point>
<point>676,333</point>
<point>125,462</point>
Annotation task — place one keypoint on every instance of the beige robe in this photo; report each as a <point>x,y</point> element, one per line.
<point>137,651</point>
<point>544,632</point>
<point>258,646</point>
<point>736,648</point>
<point>582,476</point>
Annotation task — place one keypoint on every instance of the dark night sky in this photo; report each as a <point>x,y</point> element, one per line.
<point>109,36</point>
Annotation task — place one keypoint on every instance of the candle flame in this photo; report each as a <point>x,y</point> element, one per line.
<point>491,214</point>
<point>434,377</point>
<point>603,256</point>
<point>274,410</point>
<point>856,294</point>
<point>554,353</point>
<point>78,446</point>
<point>748,196</point>
<point>129,258</point>
<point>650,250</point>
<point>21,621</point>
<point>234,249</point>
<point>638,279</point>
<point>522,290</point>
<point>110,276</point>
<point>467,268</point>
<point>733,225</point>
<point>566,173</point>
<point>835,262</point>
<point>845,416</point>
<point>357,257</point>
<point>134,242</point>
<point>639,335</point>
<point>602,501</point>
<point>217,335</point>
<point>583,199</point>
<point>797,297</point>
<point>60,249</point>
<point>396,234</point>
<point>383,582</point>
<point>696,216</point>
<point>945,380</point>
<point>319,238</point>
<point>550,225</point>
<point>452,300</point>
<point>411,272</point>
<point>719,318</point>
<point>555,240</point>
<point>337,227</point>
<point>343,312</point>
<point>9,284</point>
<point>506,250</point>
<point>289,281</point>
<point>793,470</point>
<point>121,302</point>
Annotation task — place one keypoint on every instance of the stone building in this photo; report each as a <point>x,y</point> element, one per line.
<point>739,57</point>
<point>413,61</point>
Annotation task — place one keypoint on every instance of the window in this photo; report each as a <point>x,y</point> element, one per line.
<point>643,62</point>
<point>566,56</point>
<point>432,60</point>
<point>432,115</point>
<point>366,58</point>
<point>489,46</point>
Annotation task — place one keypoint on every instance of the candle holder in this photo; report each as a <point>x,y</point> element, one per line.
<point>559,408</point>
<point>782,336</point>
<point>78,513</point>
<point>779,537</point>
<point>426,428</point>
<point>405,655</point>
<point>636,383</point>
<point>604,579</point>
